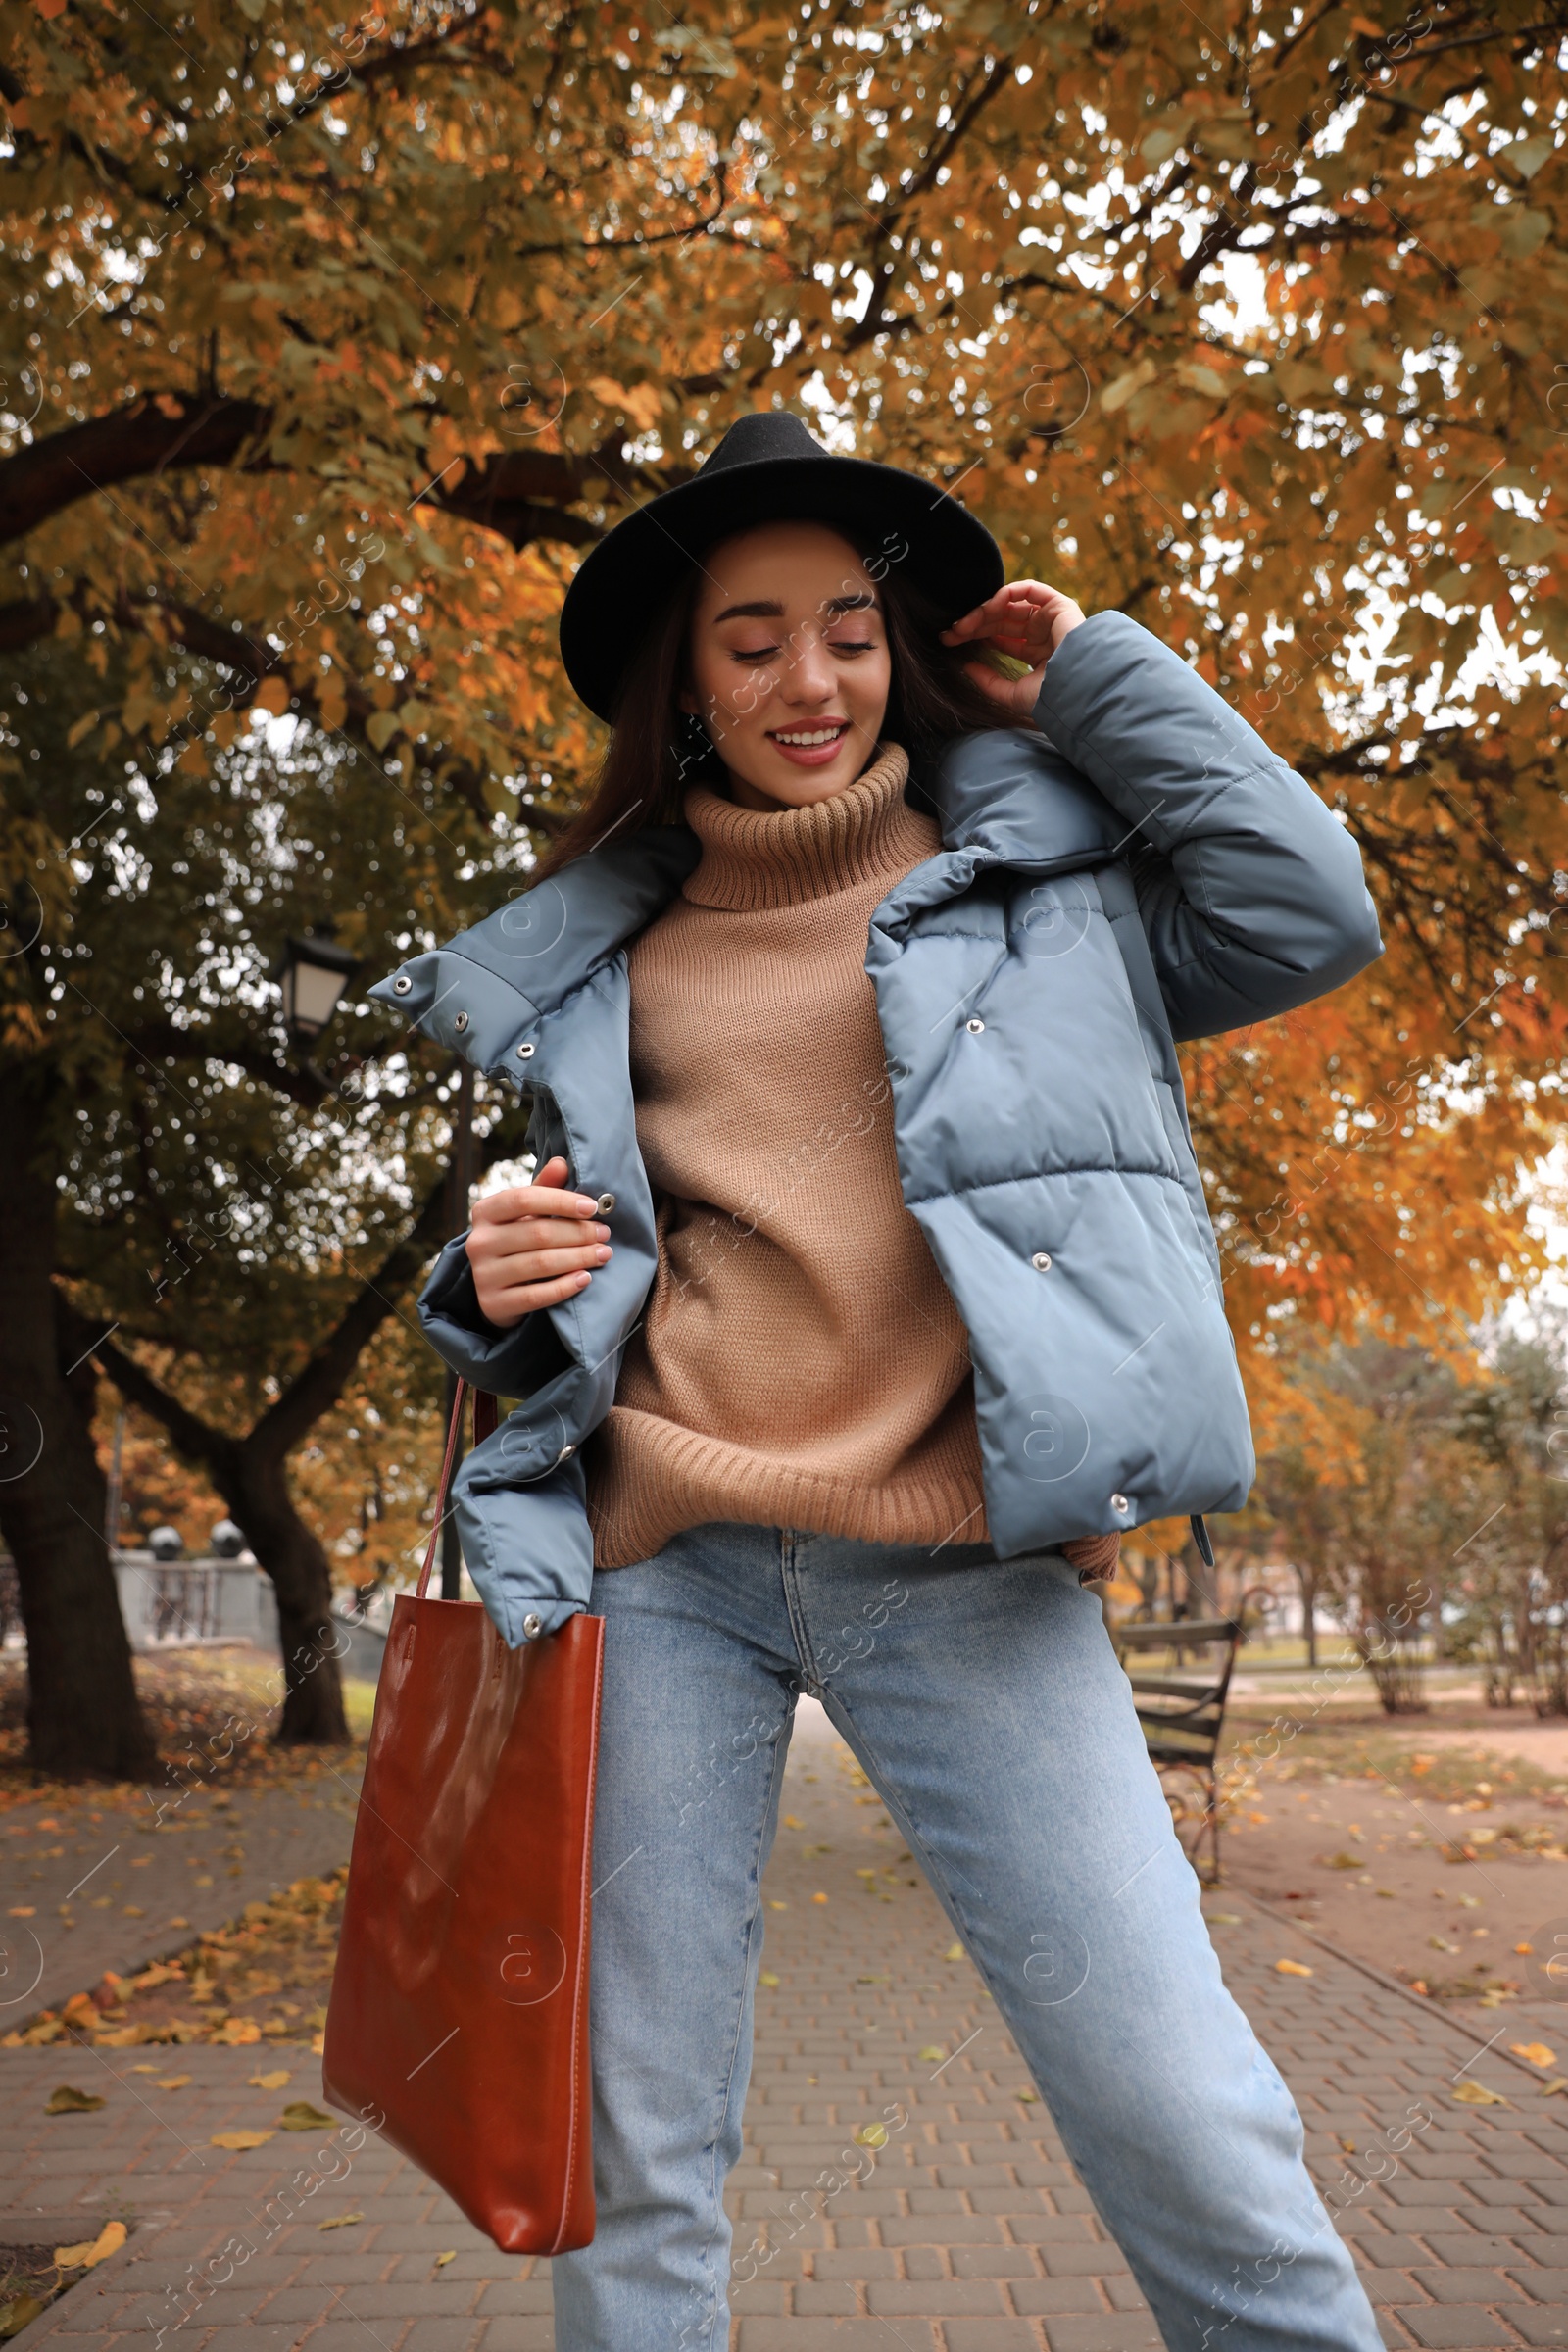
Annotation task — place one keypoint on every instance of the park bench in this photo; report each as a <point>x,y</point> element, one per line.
<point>1180,1671</point>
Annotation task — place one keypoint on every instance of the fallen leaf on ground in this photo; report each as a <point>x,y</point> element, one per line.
<point>340,2220</point>
<point>240,2139</point>
<point>92,2250</point>
<point>66,2099</point>
<point>1524,1947</point>
<point>793,1821</point>
<point>955,1951</point>
<point>1292,1968</point>
<point>1476,2094</point>
<point>819,1898</point>
<point>768,1976</point>
<point>870,2135</point>
<point>173,2081</point>
<point>300,2116</point>
<point>273,2082</point>
<point>1224,1918</point>
<point>1030,2098</point>
<point>442,2260</point>
<point>931,2051</point>
<point>1535,2051</point>
<point>1344,1862</point>
<point>19,2312</point>
<point>238,2032</point>
<point>24,1911</point>
<point>1558,2082</point>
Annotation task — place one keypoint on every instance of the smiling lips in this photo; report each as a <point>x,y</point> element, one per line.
<point>810,746</point>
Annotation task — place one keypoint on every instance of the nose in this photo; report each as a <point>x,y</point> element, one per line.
<point>811,678</point>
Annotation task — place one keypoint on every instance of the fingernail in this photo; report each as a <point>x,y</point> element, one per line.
<point>582,1205</point>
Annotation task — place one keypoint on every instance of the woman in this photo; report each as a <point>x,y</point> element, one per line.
<point>867,1249</point>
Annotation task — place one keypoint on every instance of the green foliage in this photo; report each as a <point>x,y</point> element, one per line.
<point>224,1197</point>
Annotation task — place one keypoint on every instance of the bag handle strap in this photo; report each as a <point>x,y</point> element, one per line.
<point>486,1413</point>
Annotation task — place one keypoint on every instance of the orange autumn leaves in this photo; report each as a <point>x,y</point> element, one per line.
<point>264,1977</point>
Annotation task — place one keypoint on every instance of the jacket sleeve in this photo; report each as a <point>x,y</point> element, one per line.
<point>513,1362</point>
<point>1250,889</point>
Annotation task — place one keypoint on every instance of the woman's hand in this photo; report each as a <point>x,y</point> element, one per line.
<point>533,1245</point>
<point>1026,619</point>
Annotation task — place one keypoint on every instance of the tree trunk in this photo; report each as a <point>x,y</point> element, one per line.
<point>1306,1578</point>
<point>83,1715</point>
<point>251,1474</point>
<point>1397,1667</point>
<point>256,1490</point>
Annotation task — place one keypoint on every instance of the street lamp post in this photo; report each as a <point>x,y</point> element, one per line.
<point>313,972</point>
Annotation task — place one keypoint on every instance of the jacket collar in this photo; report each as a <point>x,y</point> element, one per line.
<point>547,940</point>
<point>1004,797</point>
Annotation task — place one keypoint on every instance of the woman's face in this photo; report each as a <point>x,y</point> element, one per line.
<point>788,663</point>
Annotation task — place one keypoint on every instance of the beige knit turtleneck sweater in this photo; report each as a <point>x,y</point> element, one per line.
<point>801,1361</point>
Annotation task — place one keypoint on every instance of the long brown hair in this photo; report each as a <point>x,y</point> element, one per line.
<point>656,752</point>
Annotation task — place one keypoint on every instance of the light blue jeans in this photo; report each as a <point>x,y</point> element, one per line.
<point>985,1701</point>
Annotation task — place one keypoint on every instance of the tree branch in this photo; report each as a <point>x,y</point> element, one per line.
<point>316,1387</point>
<point>521,494</point>
<point>150,436</point>
<point>197,1439</point>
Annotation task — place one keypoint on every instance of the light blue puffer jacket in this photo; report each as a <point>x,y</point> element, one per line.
<point>1144,869</point>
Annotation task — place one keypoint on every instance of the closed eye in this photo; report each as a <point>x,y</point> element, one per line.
<point>754,654</point>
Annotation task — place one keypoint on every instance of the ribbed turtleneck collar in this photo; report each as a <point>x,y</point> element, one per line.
<point>755,857</point>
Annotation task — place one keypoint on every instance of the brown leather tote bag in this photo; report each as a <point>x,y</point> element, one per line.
<point>457,2024</point>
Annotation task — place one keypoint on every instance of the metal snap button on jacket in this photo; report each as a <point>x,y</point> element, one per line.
<point>524,1053</point>
<point>604,1204</point>
<point>402,985</point>
<point>1120,1502</point>
<point>974,1027</point>
<point>532,1627</point>
<point>1041,1261</point>
<point>461,1023</point>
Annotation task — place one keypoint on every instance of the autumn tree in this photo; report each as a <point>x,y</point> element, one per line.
<point>1241,320</point>
<point>219,1222</point>
<point>1510,1588</point>
<point>1425,1493</point>
<point>1382,1517</point>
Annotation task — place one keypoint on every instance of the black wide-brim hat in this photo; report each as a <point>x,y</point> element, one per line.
<point>768,468</point>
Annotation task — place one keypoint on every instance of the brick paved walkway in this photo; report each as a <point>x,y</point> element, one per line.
<point>970,2233</point>
<point>87,1887</point>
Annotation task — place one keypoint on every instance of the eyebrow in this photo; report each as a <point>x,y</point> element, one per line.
<point>769,609</point>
